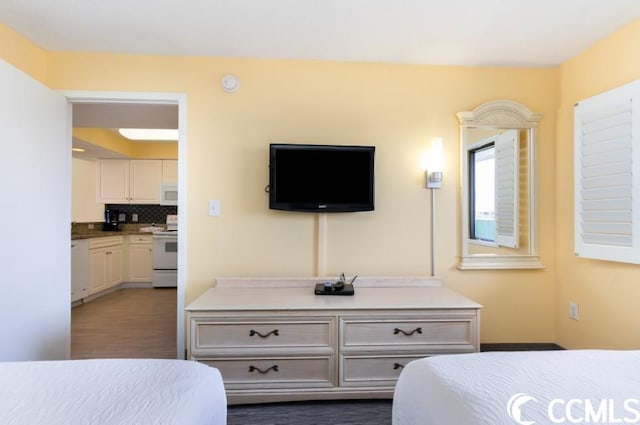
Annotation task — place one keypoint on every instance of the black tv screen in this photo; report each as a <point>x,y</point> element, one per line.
<point>321,178</point>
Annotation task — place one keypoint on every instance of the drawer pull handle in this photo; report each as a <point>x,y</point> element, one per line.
<point>254,332</point>
<point>397,366</point>
<point>396,331</point>
<point>255,369</point>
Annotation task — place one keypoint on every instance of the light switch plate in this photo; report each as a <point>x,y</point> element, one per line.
<point>214,207</point>
<point>574,312</point>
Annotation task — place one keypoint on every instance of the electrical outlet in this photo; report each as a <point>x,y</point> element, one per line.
<point>134,217</point>
<point>574,312</point>
<point>214,207</point>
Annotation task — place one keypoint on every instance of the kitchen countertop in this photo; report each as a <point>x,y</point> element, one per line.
<point>80,230</point>
<point>102,234</point>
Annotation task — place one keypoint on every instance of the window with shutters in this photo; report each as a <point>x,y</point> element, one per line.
<point>494,182</point>
<point>507,184</point>
<point>499,198</point>
<point>607,175</point>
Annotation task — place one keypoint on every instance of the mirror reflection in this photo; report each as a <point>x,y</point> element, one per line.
<point>498,200</point>
<point>498,186</point>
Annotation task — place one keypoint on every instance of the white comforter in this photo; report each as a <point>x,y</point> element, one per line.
<point>114,392</point>
<point>507,388</point>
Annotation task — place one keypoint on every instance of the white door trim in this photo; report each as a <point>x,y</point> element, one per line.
<point>75,96</point>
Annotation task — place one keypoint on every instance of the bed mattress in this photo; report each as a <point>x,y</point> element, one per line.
<point>507,388</point>
<point>111,391</point>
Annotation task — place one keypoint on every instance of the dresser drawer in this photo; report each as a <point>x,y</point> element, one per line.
<point>372,371</point>
<point>416,333</point>
<point>274,372</point>
<point>211,335</point>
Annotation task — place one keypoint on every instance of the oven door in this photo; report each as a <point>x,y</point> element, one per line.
<point>165,279</point>
<point>165,252</point>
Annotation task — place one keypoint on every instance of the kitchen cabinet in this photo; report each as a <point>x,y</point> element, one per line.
<point>79,269</point>
<point>125,181</point>
<point>105,263</point>
<point>169,171</point>
<point>140,258</point>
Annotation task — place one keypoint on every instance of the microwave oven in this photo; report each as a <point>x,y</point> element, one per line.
<point>169,194</point>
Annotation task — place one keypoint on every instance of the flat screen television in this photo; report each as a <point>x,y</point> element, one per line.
<point>321,178</point>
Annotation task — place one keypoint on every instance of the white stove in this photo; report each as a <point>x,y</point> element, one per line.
<point>165,255</point>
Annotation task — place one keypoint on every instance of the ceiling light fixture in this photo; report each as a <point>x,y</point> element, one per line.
<point>78,149</point>
<point>149,134</point>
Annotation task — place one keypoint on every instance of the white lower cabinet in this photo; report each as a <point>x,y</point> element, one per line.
<point>140,258</point>
<point>79,269</point>
<point>105,263</point>
<point>285,344</point>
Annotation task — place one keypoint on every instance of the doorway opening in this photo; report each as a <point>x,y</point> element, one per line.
<point>107,111</point>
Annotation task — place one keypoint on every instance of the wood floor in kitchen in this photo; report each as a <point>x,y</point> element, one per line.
<point>128,323</point>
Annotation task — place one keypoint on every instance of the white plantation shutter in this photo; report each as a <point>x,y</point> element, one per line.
<point>507,183</point>
<point>607,176</point>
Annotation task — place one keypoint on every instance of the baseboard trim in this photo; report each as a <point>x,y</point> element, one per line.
<point>519,346</point>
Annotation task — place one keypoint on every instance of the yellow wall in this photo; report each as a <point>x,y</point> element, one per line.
<point>397,108</point>
<point>22,54</point>
<point>607,292</point>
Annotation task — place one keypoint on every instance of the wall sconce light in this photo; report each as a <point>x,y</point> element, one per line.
<point>435,164</point>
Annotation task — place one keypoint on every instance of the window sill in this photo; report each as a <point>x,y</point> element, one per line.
<point>492,262</point>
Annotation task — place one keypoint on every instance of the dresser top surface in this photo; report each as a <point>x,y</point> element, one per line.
<point>300,296</point>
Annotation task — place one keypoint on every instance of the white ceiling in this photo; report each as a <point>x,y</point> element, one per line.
<point>536,33</point>
<point>112,116</point>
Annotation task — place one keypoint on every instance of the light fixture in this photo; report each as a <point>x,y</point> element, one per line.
<point>434,164</point>
<point>149,134</point>
<point>78,149</point>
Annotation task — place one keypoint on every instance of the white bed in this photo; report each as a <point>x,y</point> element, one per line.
<point>507,388</point>
<point>111,391</point>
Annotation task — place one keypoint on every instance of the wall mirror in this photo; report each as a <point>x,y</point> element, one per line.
<point>498,194</point>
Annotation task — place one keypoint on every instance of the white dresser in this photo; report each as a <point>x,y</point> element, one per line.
<point>274,340</point>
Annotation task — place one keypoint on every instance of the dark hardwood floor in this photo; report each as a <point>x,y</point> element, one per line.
<point>128,323</point>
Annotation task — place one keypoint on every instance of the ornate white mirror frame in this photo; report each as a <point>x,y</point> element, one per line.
<point>489,120</point>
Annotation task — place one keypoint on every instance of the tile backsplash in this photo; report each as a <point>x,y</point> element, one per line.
<point>146,213</point>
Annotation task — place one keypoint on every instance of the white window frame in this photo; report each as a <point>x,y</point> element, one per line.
<point>496,115</point>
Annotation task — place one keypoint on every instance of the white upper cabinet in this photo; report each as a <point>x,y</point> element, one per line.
<point>113,181</point>
<point>122,181</point>
<point>170,171</point>
<point>145,178</point>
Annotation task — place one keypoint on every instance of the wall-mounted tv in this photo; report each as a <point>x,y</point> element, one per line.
<point>321,178</point>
